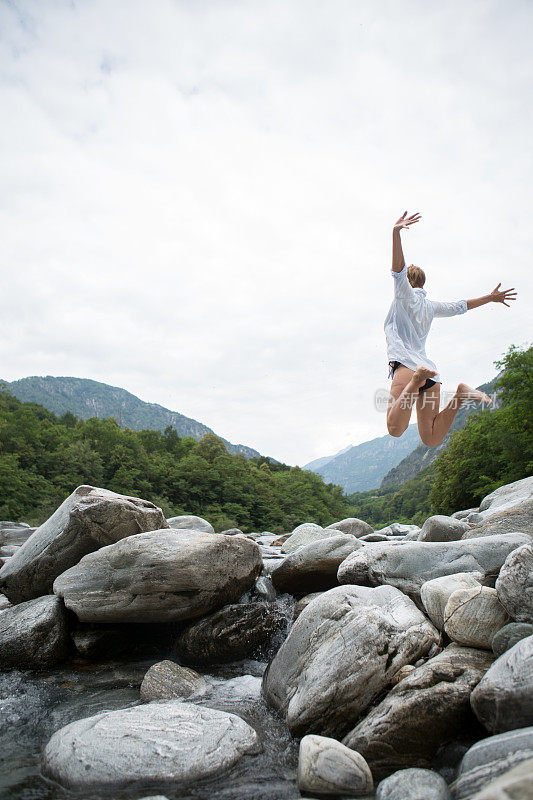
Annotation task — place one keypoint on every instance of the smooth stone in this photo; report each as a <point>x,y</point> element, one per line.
<point>503,699</point>
<point>515,584</point>
<point>489,758</point>
<point>264,588</point>
<point>407,565</point>
<point>87,520</point>
<point>160,576</point>
<point>473,616</point>
<point>436,593</point>
<point>339,655</point>
<point>191,523</point>
<point>34,634</point>
<point>464,513</point>
<point>157,742</point>
<point>374,537</point>
<point>303,602</point>
<point>351,525</point>
<point>440,528</point>
<point>429,707</point>
<point>507,509</point>
<point>167,680</point>
<point>4,602</point>
<point>313,567</point>
<point>305,534</point>
<point>242,630</point>
<point>509,635</point>
<point>325,766</point>
<point>515,784</point>
<point>413,784</point>
<point>232,532</point>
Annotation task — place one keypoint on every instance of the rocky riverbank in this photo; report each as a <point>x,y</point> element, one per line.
<point>142,656</point>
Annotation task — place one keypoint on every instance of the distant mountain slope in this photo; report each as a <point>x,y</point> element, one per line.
<point>86,398</point>
<point>363,466</point>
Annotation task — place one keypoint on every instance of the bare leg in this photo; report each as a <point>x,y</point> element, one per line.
<point>434,425</point>
<point>403,395</point>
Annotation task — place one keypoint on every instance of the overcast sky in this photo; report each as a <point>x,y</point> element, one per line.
<point>197,200</point>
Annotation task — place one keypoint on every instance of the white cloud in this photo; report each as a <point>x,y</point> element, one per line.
<point>198,199</point>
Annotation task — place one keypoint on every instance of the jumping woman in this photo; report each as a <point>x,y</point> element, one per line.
<point>414,376</point>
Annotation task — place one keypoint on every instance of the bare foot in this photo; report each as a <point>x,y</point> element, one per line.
<point>465,392</point>
<point>420,375</point>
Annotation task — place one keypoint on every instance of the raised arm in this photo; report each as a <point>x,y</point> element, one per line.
<point>398,262</point>
<point>496,296</point>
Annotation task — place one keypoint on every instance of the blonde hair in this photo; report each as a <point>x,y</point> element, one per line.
<point>416,276</point>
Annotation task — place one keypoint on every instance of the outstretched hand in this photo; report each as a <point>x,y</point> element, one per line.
<point>498,296</point>
<point>405,221</point>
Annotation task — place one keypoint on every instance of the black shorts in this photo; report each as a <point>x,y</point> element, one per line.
<point>394,364</point>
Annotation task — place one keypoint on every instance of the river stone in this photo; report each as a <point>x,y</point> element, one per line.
<point>232,532</point>
<point>87,520</point>
<point>374,537</point>
<point>238,631</point>
<point>34,634</point>
<point>464,513</point>
<point>169,681</point>
<point>313,567</point>
<point>303,602</point>
<point>473,616</point>
<point>326,766</point>
<point>509,635</point>
<point>351,525</point>
<point>160,576</point>
<point>503,700</point>
<point>428,708</point>
<point>154,743</point>
<point>515,584</point>
<point>407,565</point>
<point>507,509</point>
<point>515,784</point>
<point>191,523</point>
<point>488,759</point>
<point>436,593</point>
<point>441,528</point>
<point>413,784</point>
<point>305,534</point>
<point>340,654</point>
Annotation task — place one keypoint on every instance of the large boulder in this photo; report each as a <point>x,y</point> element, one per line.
<point>503,700</point>
<point>441,528</point>
<point>436,593</point>
<point>33,634</point>
<point>473,616</point>
<point>340,654</point>
<point>509,635</point>
<point>489,758</point>
<point>427,709</point>
<point>306,533</point>
<point>407,565</point>
<point>88,519</point>
<point>351,525</point>
<point>413,784</point>
<point>515,784</point>
<point>507,509</point>
<point>242,630</point>
<point>313,567</point>
<point>169,681</point>
<point>190,522</point>
<point>326,766</point>
<point>515,584</point>
<point>158,742</point>
<point>160,576</point>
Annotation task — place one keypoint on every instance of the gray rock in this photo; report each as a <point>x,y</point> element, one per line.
<point>488,759</point>
<point>190,523</point>
<point>325,766</point>
<point>515,584</point>
<point>441,528</point>
<point>232,532</point>
<point>160,576</point>
<point>351,525</point>
<point>374,537</point>
<point>503,699</point>
<point>515,784</point>
<point>87,520</point>
<point>507,509</point>
<point>341,652</point>
<point>33,634</point>
<point>169,681</point>
<point>413,784</point>
<point>305,534</point>
<point>14,533</point>
<point>303,602</point>
<point>313,567</point>
<point>264,588</point>
<point>154,743</point>
<point>238,631</point>
<point>407,565</point>
<point>436,593</point>
<point>463,514</point>
<point>473,616</point>
<point>428,708</point>
<point>509,635</point>
<point>4,602</point>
